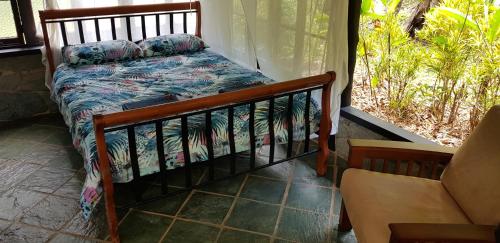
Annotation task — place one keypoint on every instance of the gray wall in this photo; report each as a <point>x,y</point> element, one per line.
<point>349,129</point>
<point>22,90</point>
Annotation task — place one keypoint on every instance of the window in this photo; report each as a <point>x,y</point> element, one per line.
<point>19,19</point>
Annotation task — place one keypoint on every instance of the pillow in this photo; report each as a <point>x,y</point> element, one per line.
<point>168,45</point>
<point>100,52</point>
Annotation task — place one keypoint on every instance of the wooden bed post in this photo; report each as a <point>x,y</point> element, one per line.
<point>325,127</point>
<point>197,6</point>
<point>46,42</point>
<point>107,180</point>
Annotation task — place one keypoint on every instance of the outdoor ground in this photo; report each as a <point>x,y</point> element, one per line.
<point>41,177</point>
<point>419,121</point>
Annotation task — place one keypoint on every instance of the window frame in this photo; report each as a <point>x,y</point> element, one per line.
<point>24,21</point>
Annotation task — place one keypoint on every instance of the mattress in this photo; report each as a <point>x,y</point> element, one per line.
<point>83,91</point>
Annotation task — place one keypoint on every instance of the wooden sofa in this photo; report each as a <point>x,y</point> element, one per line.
<point>461,204</point>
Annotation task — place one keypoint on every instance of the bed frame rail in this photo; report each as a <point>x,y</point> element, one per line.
<point>61,17</point>
<point>130,119</point>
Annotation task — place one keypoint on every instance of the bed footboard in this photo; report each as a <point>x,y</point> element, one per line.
<point>128,120</point>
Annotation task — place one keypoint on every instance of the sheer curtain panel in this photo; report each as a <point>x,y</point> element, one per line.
<point>288,39</point>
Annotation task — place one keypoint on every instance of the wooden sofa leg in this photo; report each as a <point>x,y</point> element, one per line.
<point>344,222</point>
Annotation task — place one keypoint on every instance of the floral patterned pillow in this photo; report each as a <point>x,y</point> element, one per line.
<point>101,52</point>
<point>168,45</point>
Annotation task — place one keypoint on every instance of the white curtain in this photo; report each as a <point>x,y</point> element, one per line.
<point>289,38</point>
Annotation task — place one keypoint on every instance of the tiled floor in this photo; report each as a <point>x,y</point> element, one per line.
<point>41,177</point>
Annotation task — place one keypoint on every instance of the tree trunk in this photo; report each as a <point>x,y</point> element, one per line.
<point>417,19</point>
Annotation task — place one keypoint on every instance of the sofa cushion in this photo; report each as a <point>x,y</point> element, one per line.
<point>373,200</point>
<point>473,175</point>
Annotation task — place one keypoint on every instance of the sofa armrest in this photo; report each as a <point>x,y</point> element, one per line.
<point>421,232</point>
<point>360,149</point>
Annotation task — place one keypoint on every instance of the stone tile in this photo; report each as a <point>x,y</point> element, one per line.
<point>346,237</point>
<point>206,207</point>
<point>18,105</point>
<point>7,130</point>
<point>51,120</point>
<point>309,197</point>
<point>60,136</point>
<point>263,189</point>
<point>253,216</point>
<point>12,172</point>
<point>337,202</point>
<point>303,226</point>
<point>30,152</point>
<point>282,241</point>
<point>35,133</point>
<point>168,205</point>
<point>279,171</point>
<point>242,162</point>
<point>15,201</point>
<point>24,233</point>
<point>183,231</point>
<point>73,187</point>
<point>47,179</point>
<point>12,148</point>
<point>52,212</point>
<point>123,194</point>
<point>177,178</point>
<point>143,227</point>
<point>4,224</point>
<point>95,227</point>
<point>229,236</point>
<point>68,158</point>
<point>63,238</point>
<point>305,172</point>
<point>229,186</point>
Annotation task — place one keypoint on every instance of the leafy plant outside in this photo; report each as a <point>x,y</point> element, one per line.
<point>444,79</point>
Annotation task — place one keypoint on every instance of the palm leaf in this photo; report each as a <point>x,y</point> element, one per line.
<point>393,4</point>
<point>458,17</point>
<point>494,26</point>
<point>366,6</point>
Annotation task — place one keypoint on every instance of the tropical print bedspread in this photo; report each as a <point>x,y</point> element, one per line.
<point>83,91</point>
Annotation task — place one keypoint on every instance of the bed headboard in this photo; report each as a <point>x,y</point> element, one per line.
<point>79,15</point>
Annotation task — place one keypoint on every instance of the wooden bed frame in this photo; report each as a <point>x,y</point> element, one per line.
<point>128,120</point>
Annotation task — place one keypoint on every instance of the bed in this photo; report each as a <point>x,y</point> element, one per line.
<point>221,109</point>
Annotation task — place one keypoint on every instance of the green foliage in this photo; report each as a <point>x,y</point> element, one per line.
<point>457,17</point>
<point>451,65</point>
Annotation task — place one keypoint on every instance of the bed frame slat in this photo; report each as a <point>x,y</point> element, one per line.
<point>97,30</point>
<point>185,151</point>
<point>143,26</point>
<point>80,31</point>
<point>289,125</point>
<point>307,122</point>
<point>251,131</point>
<point>270,124</point>
<point>210,148</point>
<point>62,25</point>
<point>113,28</point>
<point>157,18</point>
<point>171,16</point>
<point>232,146</point>
<point>161,157</point>
<point>132,148</point>
<point>184,22</point>
<point>129,31</point>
